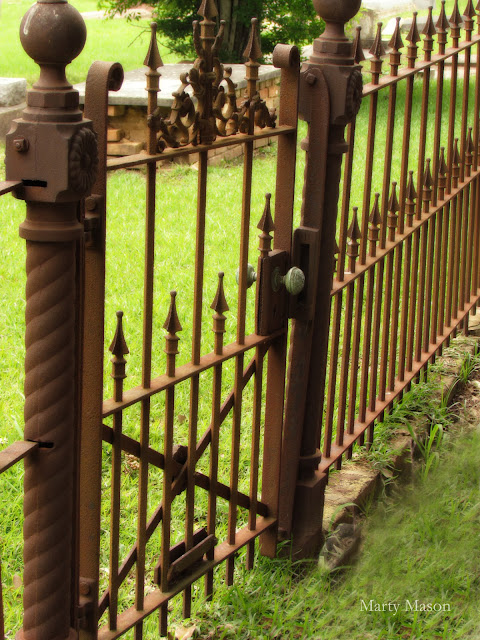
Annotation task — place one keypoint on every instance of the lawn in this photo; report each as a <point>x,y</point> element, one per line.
<point>114,40</point>
<point>175,227</point>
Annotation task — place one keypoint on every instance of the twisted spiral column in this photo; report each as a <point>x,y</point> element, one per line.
<point>49,419</point>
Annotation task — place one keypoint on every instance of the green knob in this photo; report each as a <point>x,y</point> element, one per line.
<point>251,275</point>
<point>294,280</point>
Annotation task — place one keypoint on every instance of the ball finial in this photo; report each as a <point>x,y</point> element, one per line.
<point>53,32</point>
<point>337,10</point>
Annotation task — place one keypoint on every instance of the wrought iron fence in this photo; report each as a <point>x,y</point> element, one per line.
<point>405,271</point>
<point>407,258</point>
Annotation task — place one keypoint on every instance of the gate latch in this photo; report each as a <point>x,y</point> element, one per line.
<point>277,278</point>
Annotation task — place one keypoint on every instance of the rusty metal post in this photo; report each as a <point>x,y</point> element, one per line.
<point>52,150</point>
<point>330,97</point>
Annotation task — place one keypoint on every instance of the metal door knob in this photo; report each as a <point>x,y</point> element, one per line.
<point>251,275</point>
<point>294,280</point>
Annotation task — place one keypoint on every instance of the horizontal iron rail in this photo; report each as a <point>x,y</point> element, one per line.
<point>16,452</point>
<point>155,599</point>
<point>8,185</point>
<point>177,485</point>
<point>239,138</point>
<point>157,459</point>
<point>404,72</point>
<point>185,372</point>
<point>370,262</point>
<point>337,451</point>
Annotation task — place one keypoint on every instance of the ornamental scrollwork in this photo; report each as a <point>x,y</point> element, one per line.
<point>209,110</point>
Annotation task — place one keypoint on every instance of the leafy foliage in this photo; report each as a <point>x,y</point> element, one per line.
<point>286,21</point>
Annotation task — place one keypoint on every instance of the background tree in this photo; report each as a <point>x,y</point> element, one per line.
<point>286,21</point>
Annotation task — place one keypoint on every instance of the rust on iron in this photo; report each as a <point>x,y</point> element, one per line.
<point>385,289</point>
<point>57,166</point>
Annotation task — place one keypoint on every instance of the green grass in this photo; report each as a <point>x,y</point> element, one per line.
<point>418,546</point>
<point>113,40</point>
<point>175,228</point>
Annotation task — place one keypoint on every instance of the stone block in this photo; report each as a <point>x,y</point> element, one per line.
<point>114,135</point>
<point>115,110</point>
<point>7,114</point>
<point>124,148</point>
<point>12,91</point>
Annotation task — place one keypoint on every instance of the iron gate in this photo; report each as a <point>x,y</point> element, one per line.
<point>209,121</point>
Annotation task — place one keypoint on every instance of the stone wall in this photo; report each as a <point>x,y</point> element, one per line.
<point>128,125</point>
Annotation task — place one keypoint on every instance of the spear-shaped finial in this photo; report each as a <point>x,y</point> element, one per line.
<point>172,326</point>
<point>442,29</point>
<point>455,22</point>
<point>395,44</point>
<point>412,38</point>
<point>119,349</point>
<point>266,226</point>
<point>455,164</point>
<point>427,187</point>
<point>469,14</point>
<point>377,51</point>
<point>208,9</point>
<point>253,49</point>
<point>153,59</point>
<point>429,32</point>
<point>358,55</point>
<point>469,149</point>
<point>393,209</point>
<point>353,238</point>
<point>375,220</point>
<point>220,306</point>
<point>253,53</point>
<point>336,251</point>
<point>442,175</point>
<point>410,198</point>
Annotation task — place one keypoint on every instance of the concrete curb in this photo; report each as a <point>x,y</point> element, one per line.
<point>350,490</point>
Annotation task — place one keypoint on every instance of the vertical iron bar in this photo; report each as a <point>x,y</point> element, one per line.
<point>101,78</point>
<point>288,59</point>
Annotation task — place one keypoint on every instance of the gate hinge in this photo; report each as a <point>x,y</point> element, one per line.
<point>87,605</point>
<point>92,219</point>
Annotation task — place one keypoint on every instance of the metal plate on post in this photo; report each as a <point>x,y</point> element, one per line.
<point>272,306</point>
<point>305,256</point>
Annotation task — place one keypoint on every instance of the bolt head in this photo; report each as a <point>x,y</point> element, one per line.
<point>21,144</point>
